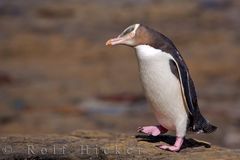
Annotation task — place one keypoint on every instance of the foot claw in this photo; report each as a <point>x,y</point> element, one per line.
<point>175,148</point>
<point>169,148</point>
<point>149,130</point>
<point>139,129</point>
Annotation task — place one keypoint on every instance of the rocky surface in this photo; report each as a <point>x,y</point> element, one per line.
<point>83,144</point>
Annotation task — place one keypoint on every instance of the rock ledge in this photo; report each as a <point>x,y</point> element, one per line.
<point>83,144</point>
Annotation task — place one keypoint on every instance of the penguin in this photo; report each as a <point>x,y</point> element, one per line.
<point>167,84</point>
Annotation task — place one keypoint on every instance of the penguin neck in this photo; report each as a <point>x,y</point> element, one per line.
<point>147,51</point>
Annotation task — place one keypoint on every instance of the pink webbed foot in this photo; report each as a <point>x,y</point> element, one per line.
<point>152,130</point>
<point>176,147</point>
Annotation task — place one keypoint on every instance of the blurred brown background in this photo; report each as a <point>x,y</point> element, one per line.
<point>56,75</point>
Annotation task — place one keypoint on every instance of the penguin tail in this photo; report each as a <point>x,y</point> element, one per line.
<point>208,128</point>
<point>201,125</point>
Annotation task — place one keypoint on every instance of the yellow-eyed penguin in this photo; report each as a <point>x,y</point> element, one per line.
<point>166,82</point>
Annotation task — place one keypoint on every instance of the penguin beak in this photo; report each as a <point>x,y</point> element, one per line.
<point>115,41</point>
<point>120,40</point>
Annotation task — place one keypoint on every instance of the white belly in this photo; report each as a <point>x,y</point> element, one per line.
<point>162,88</point>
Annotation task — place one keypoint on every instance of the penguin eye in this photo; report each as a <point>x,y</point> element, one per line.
<point>128,30</point>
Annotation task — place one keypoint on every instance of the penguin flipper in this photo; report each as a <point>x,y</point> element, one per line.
<point>197,122</point>
<point>187,86</point>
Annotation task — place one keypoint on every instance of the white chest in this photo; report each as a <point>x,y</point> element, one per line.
<point>161,86</point>
<point>155,71</point>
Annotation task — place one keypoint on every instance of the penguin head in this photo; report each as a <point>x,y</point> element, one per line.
<point>131,36</point>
